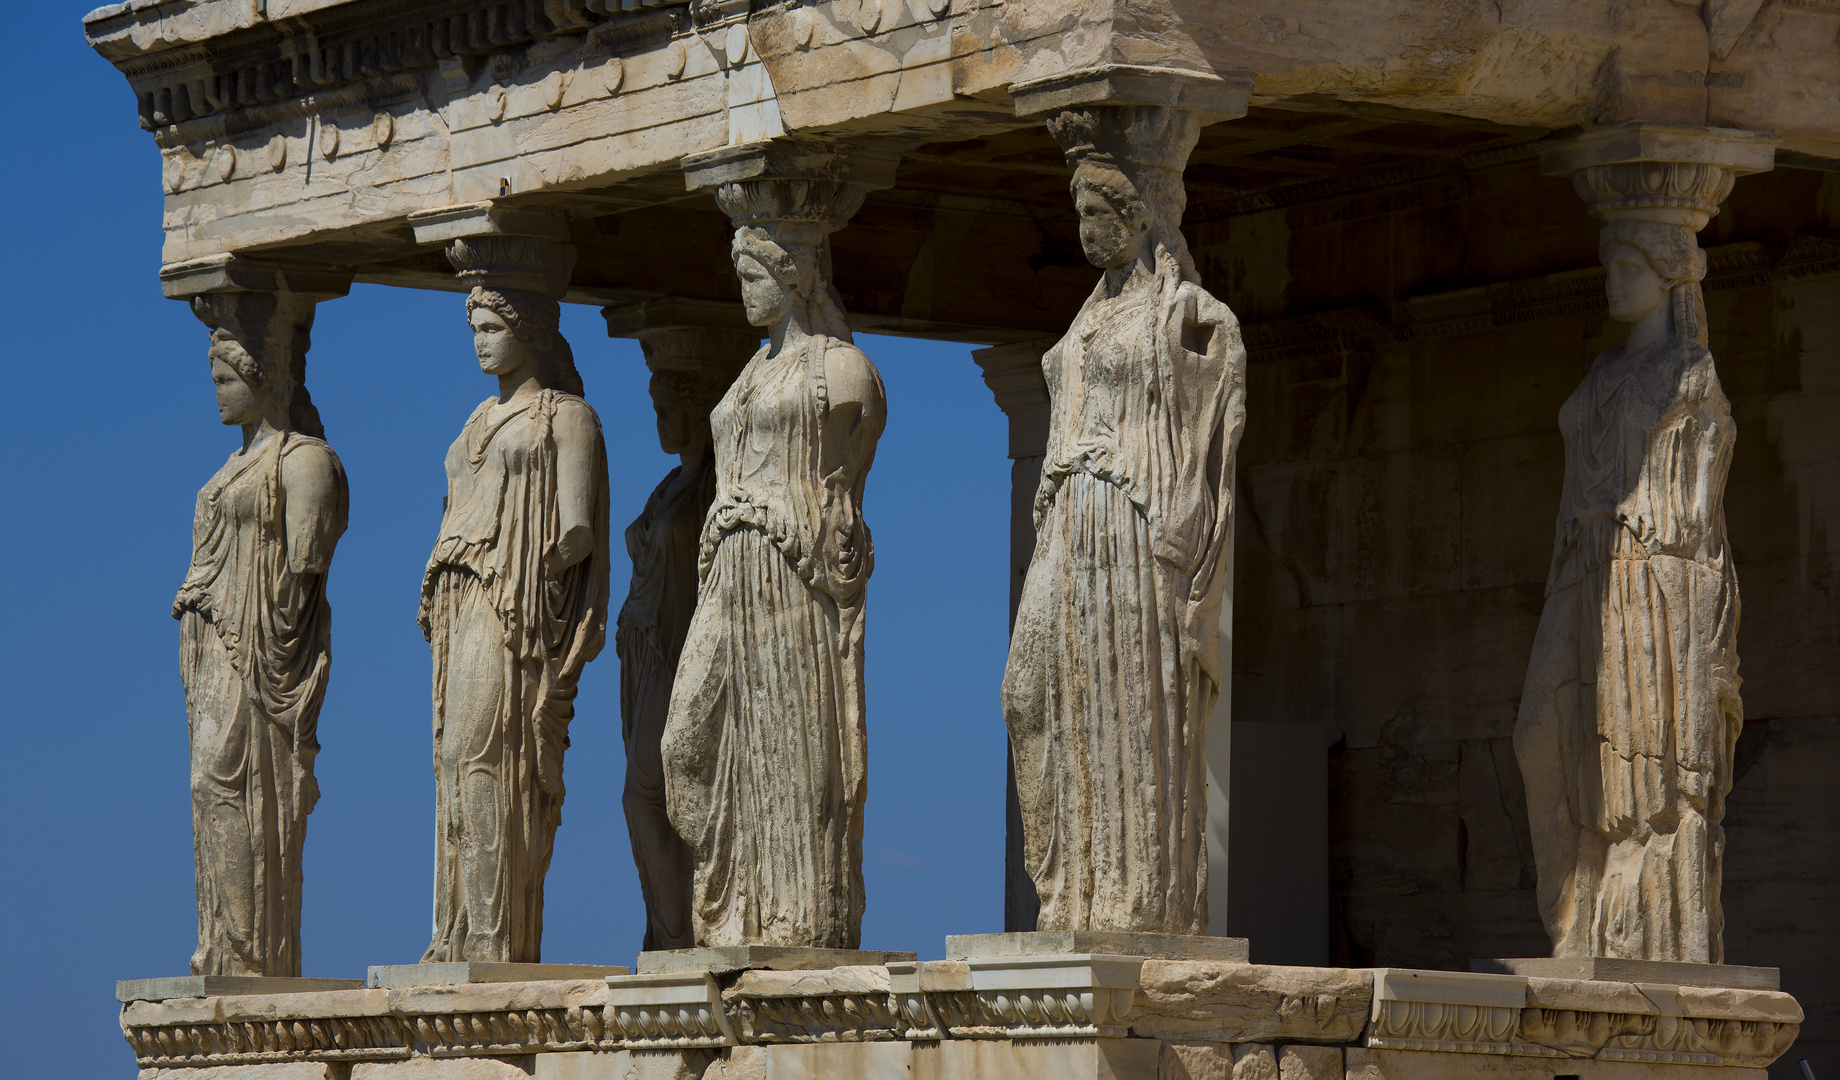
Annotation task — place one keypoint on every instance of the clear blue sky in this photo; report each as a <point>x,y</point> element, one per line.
<point>110,431</point>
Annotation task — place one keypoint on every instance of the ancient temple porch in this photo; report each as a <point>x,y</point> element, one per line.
<point>1419,289</point>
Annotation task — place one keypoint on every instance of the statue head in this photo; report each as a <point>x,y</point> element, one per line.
<point>1127,182</point>
<point>514,329</point>
<point>782,250</point>
<point>1649,264</point>
<point>258,356</point>
<point>682,400</point>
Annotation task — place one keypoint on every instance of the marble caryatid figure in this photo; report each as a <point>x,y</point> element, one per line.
<point>663,544</point>
<point>255,635</point>
<point>1630,714</point>
<point>764,750</point>
<point>1114,663</point>
<point>514,604</point>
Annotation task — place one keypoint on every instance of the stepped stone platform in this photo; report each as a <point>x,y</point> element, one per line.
<point>1015,1017</point>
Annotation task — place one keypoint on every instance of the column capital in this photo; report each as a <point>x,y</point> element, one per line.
<point>1210,97</point>
<point>500,247</point>
<point>800,187</point>
<point>233,273</point>
<point>1671,174</point>
<point>1013,373</point>
<point>696,337</point>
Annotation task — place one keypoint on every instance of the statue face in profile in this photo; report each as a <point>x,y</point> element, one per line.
<point>1631,285</point>
<point>501,352</point>
<point>237,403</point>
<point>762,294</point>
<point>1113,222</point>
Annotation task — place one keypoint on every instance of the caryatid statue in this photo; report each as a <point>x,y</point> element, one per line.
<point>691,369</point>
<point>514,604</point>
<point>255,634</point>
<point>765,748</point>
<point>1630,714</point>
<point>1114,662</point>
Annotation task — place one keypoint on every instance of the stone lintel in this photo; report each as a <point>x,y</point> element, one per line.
<point>1738,150</point>
<point>231,272</point>
<point>1211,96</point>
<point>1612,969</point>
<point>394,976</point>
<point>486,219</point>
<point>867,168</point>
<point>728,959</point>
<point>199,986</point>
<point>1064,942</point>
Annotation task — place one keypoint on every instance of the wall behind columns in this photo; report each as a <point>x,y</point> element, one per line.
<point>1398,483</point>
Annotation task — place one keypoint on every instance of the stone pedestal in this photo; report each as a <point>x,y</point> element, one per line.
<point>727,959</point>
<point>393,976</point>
<point>1060,942</point>
<point>198,986</point>
<point>1612,969</point>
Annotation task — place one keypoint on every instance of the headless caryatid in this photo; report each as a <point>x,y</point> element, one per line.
<point>1114,663</point>
<point>514,604</point>
<point>255,635</point>
<point>1630,715</point>
<point>692,369</point>
<point>765,750</point>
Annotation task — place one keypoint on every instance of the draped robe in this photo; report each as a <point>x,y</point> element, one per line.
<point>255,651</point>
<point>1630,713</point>
<point>509,642</point>
<point>765,752</point>
<point>1114,663</point>
<point>663,543</point>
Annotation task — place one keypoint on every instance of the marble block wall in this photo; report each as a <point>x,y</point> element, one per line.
<point>1398,484</point>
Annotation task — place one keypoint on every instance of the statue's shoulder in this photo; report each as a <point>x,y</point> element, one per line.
<point>850,375</point>
<point>1206,308</point>
<point>571,408</point>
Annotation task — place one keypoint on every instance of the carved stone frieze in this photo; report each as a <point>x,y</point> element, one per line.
<point>850,1004</point>
<point>668,1011</point>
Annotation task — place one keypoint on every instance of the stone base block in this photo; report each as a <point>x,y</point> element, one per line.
<point>274,1070</point>
<point>1064,942</point>
<point>1364,1064</point>
<point>624,1065</point>
<point>197,986</point>
<point>468,1068</point>
<point>394,976</point>
<point>728,959</point>
<point>1611,969</point>
<point>1032,1059</point>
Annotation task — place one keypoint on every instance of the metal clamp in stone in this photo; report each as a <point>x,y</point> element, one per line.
<point>672,1011</point>
<point>843,1004</point>
<point>1034,997</point>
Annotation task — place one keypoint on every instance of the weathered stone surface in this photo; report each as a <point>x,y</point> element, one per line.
<point>1182,1060</point>
<point>1363,1064</point>
<point>622,1065</point>
<point>1310,1063</point>
<point>1255,1061</point>
<point>1250,1002</point>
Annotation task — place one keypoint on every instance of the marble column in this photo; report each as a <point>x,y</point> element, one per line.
<point>1630,714</point>
<point>514,600</point>
<point>1114,666</point>
<point>765,747</point>
<point>255,628</point>
<point>695,351</point>
<point>1013,373</point>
